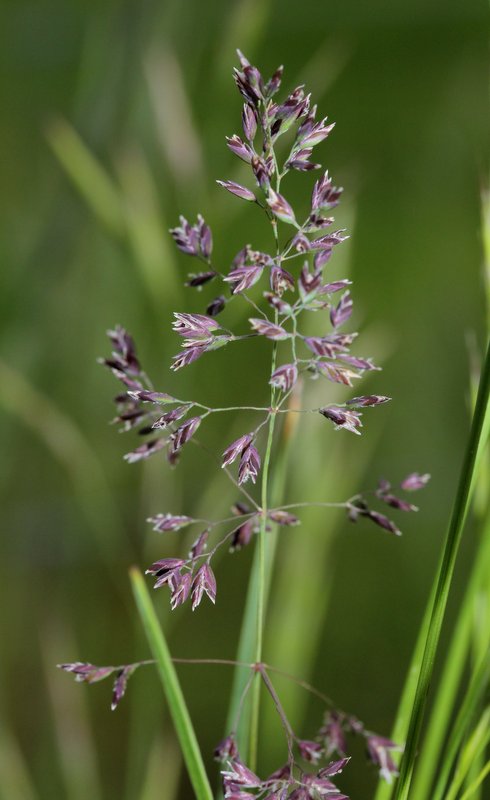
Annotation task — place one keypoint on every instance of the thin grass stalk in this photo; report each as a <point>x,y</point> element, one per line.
<point>171,687</point>
<point>443,584</point>
<point>295,644</point>
<point>246,645</point>
<point>262,590</point>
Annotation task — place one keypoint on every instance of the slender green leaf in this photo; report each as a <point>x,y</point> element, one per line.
<point>471,790</point>
<point>400,728</point>
<point>458,650</point>
<point>171,687</point>
<point>443,583</point>
<point>452,673</point>
<point>473,749</point>
<point>462,723</point>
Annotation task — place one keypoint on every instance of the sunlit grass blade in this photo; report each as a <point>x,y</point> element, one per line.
<point>443,583</point>
<point>473,749</point>
<point>459,647</point>
<point>479,642</point>
<point>90,178</point>
<point>461,727</point>
<point>476,785</point>
<point>457,657</point>
<point>171,687</point>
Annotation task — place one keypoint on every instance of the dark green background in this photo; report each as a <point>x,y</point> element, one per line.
<point>148,88</point>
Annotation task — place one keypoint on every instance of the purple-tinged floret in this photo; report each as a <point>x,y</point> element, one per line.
<point>236,449</point>
<point>415,481</point>
<point>204,583</point>
<point>343,418</point>
<point>238,190</point>
<point>169,522</point>
<point>269,329</point>
<point>284,377</point>
<point>249,465</point>
<point>342,312</point>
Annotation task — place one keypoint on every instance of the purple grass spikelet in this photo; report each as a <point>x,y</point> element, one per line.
<point>236,448</point>
<point>415,481</point>
<point>204,583</point>
<point>284,377</point>
<point>343,418</point>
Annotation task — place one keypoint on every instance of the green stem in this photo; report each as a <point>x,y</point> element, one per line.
<point>171,687</point>
<point>262,590</point>
<point>247,641</point>
<point>443,584</point>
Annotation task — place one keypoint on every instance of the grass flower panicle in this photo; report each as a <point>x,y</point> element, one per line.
<point>279,296</point>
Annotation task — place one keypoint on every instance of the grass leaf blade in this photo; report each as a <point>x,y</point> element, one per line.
<point>171,687</point>
<point>443,583</point>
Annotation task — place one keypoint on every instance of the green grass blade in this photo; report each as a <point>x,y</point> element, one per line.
<point>400,728</point>
<point>462,723</point>
<point>458,650</point>
<point>474,748</point>
<point>471,790</point>
<point>452,673</point>
<point>443,583</point>
<point>171,687</point>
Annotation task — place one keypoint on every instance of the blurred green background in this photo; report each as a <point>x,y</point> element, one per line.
<point>113,122</point>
